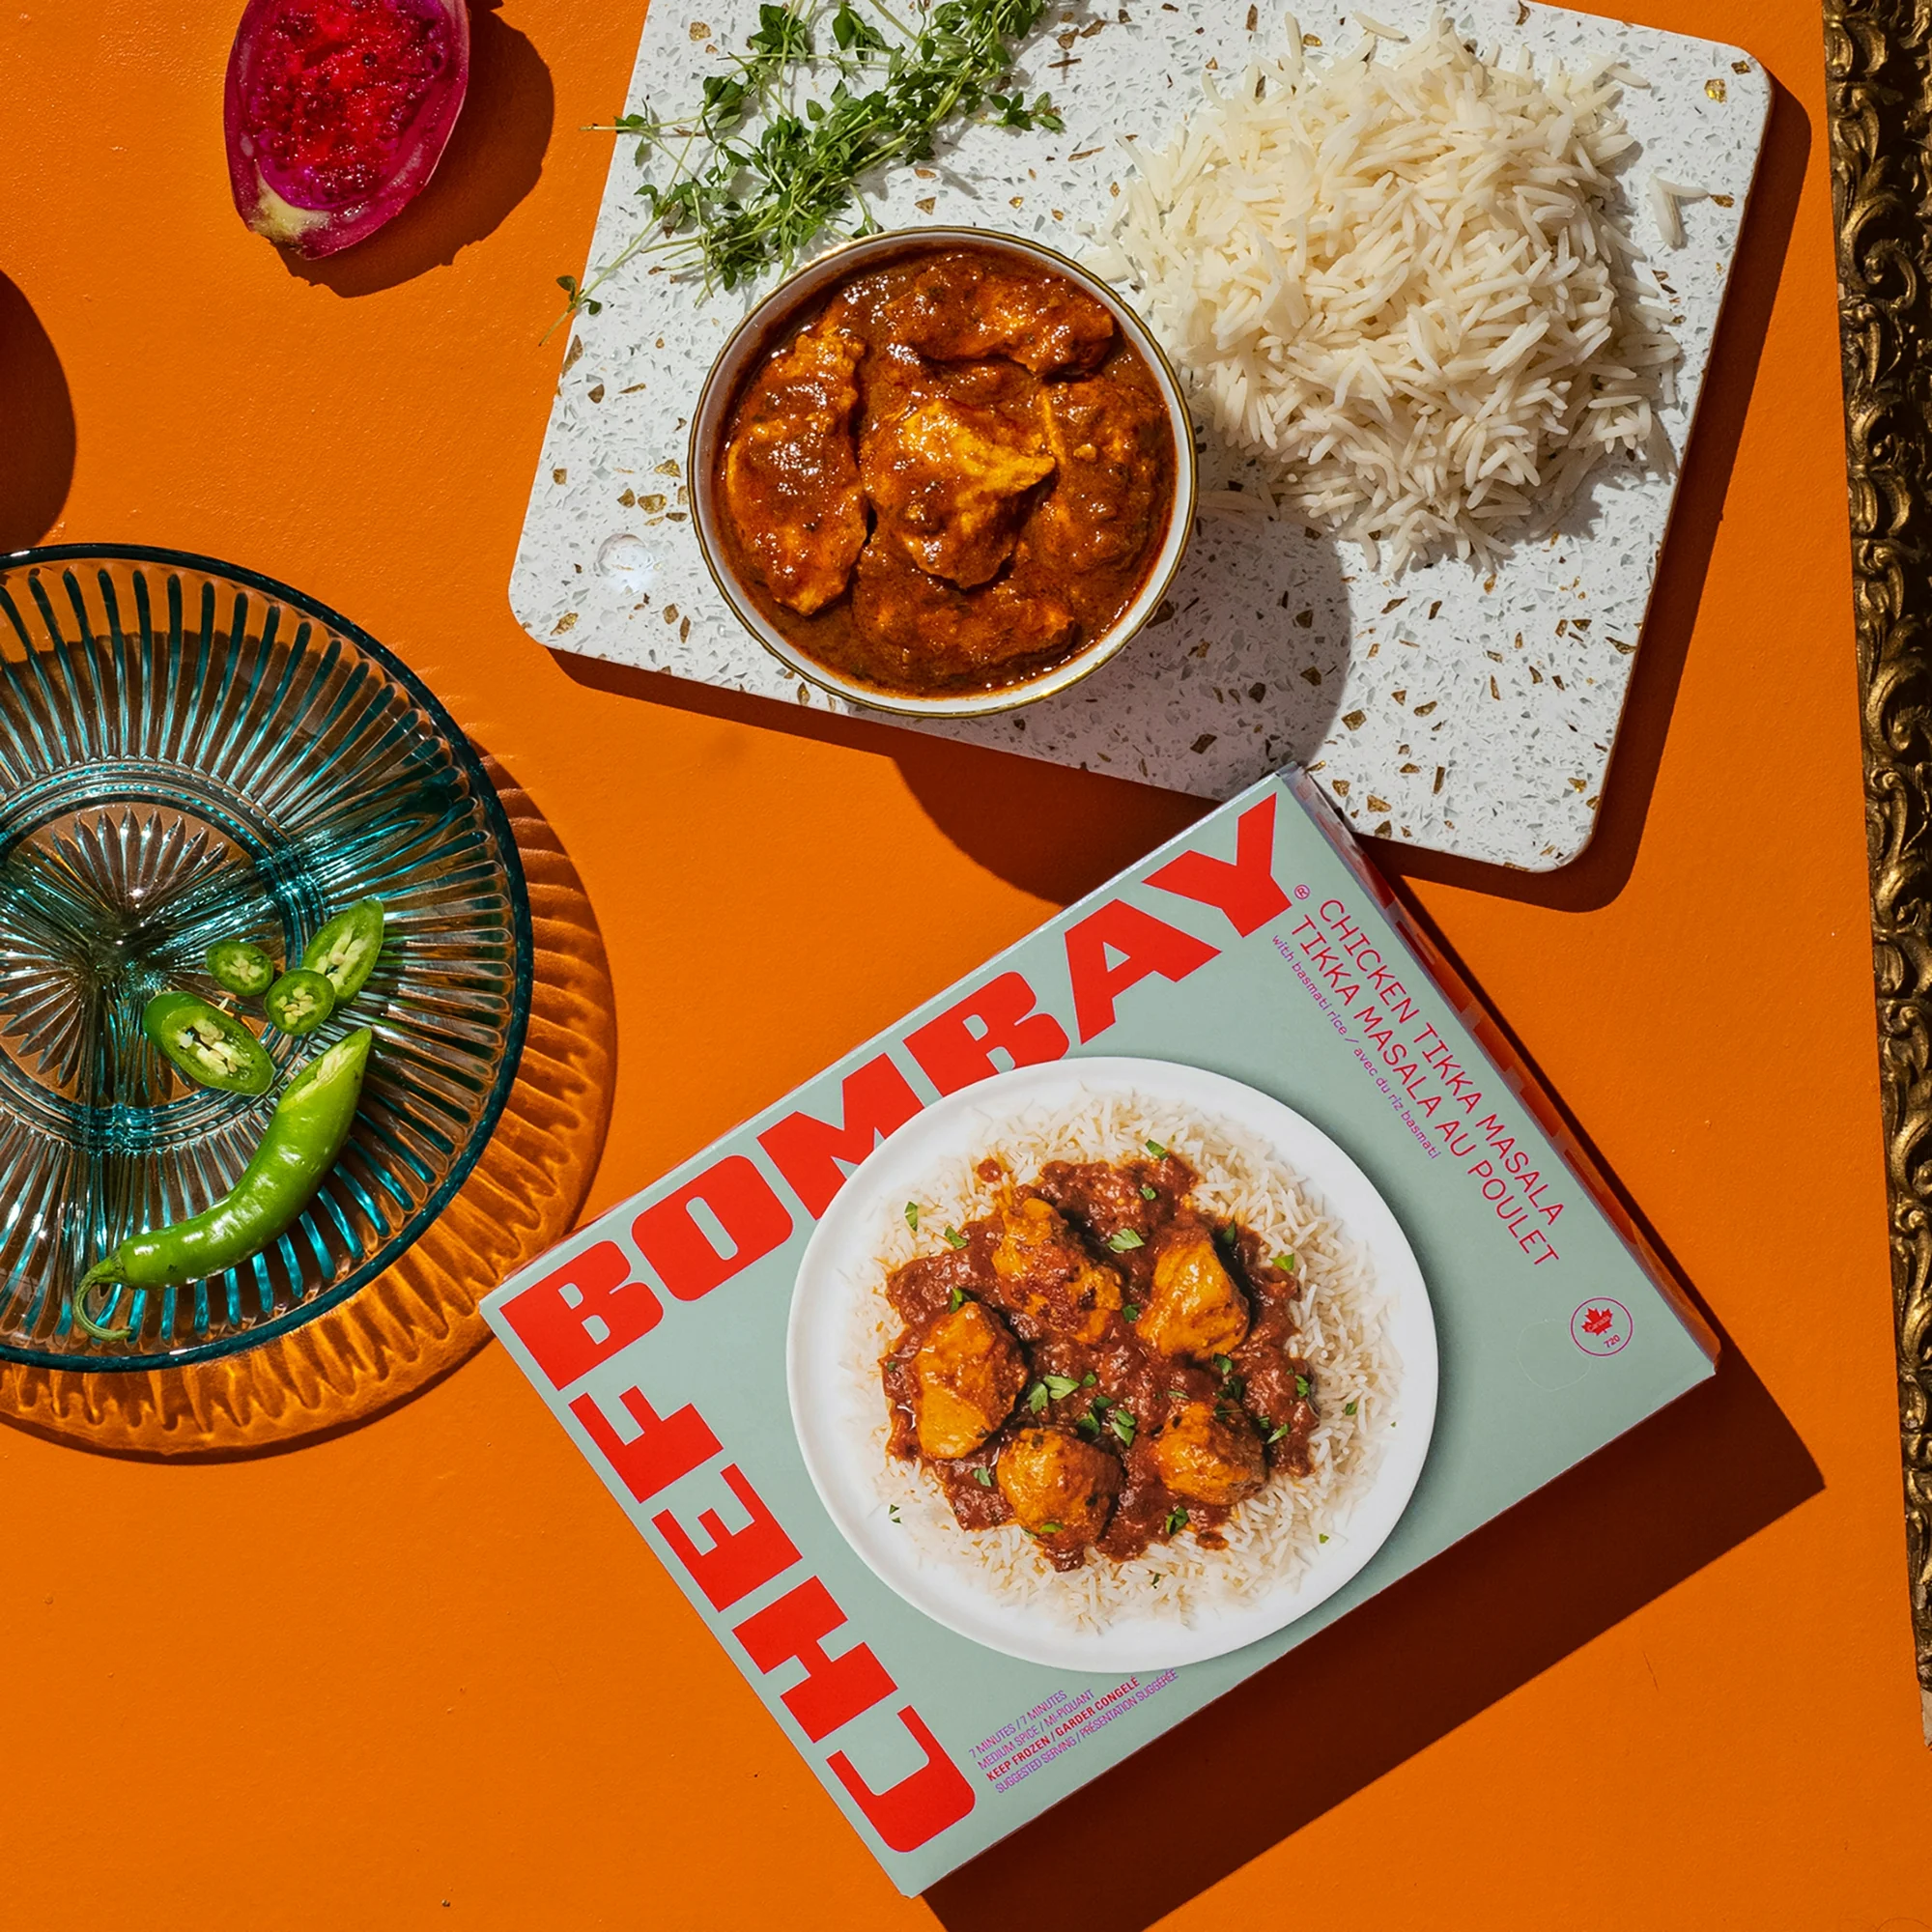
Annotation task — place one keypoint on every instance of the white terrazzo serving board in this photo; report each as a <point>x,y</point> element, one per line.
<point>1451,708</point>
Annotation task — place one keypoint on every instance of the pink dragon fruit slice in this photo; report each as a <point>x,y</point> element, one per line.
<point>338,112</point>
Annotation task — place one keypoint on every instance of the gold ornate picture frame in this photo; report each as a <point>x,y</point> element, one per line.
<point>1879,100</point>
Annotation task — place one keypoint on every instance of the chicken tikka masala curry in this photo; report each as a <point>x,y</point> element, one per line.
<point>953,476</point>
<point>1099,1361</point>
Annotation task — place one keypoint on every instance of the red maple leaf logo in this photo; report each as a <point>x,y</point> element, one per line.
<point>1597,1320</point>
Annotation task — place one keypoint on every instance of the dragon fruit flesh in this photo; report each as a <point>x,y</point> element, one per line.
<point>338,112</point>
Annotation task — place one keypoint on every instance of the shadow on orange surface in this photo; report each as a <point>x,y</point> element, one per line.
<point>495,159</point>
<point>37,413</point>
<point>1050,830</point>
<point>1596,877</point>
<point>1409,1665</point>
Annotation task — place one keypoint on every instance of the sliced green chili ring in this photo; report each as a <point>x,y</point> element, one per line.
<point>241,966</point>
<point>346,950</point>
<point>301,1143</point>
<point>299,1002</point>
<point>209,1045</point>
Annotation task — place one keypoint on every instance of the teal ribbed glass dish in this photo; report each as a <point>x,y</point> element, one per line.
<point>190,751</point>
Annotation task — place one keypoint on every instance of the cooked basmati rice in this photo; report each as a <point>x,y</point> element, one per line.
<point>1403,286</point>
<point>1273,1534</point>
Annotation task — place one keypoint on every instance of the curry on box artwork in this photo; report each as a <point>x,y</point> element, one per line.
<point>1127,1314</point>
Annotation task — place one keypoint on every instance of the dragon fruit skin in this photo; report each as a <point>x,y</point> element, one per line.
<point>298,213</point>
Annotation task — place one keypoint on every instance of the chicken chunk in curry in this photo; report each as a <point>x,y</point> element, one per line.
<point>1057,1486</point>
<point>966,1376</point>
<point>1194,1307</point>
<point>1209,1453</point>
<point>949,483</point>
<point>791,475</point>
<point>1046,1280</point>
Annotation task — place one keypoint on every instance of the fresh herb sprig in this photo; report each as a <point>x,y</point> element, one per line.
<point>759,170</point>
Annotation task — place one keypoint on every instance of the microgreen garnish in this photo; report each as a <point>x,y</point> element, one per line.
<point>1124,1240</point>
<point>1149,1193</point>
<point>955,1239</point>
<point>1060,1388</point>
<point>758,170</point>
<point>1155,1148</point>
<point>912,1215</point>
<point>1036,1397</point>
<point>955,1301</point>
<point>578,298</point>
<point>1176,1519</point>
<point>1122,1422</point>
<point>984,1477</point>
<point>1131,1311</point>
<point>1301,1387</point>
<point>1350,1407</point>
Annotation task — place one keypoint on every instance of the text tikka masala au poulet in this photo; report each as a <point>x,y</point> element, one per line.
<point>952,478</point>
<point>1100,1362</point>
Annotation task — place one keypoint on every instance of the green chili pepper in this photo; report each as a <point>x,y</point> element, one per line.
<point>207,1045</point>
<point>240,966</point>
<point>304,1136</point>
<point>345,950</point>
<point>299,1002</point>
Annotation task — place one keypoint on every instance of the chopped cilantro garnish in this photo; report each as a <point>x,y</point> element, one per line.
<point>1132,1310</point>
<point>1149,1193</point>
<point>984,1477</point>
<point>955,1239</point>
<point>1275,1435</point>
<point>1320,1538</point>
<point>1176,1519</point>
<point>1350,1407</point>
<point>912,1215</point>
<point>1060,1388</point>
<point>1155,1148</point>
<point>893,1511</point>
<point>1122,1422</point>
<point>955,1301</point>
<point>1301,1387</point>
<point>1036,1397</point>
<point>1225,1363</point>
<point>1124,1240</point>
<point>1285,1261</point>
<point>1156,1574</point>
<point>1051,1528</point>
<point>1088,1425</point>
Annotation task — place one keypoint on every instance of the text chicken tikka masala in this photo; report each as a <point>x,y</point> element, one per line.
<point>953,477</point>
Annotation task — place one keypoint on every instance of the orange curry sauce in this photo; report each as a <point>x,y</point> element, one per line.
<point>953,477</point>
<point>1100,1362</point>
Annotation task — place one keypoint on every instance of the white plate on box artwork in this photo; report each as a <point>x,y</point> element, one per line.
<point>1455,708</point>
<point>1366,1330</point>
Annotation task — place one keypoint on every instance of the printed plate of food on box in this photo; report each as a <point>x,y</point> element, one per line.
<point>1111,1364</point>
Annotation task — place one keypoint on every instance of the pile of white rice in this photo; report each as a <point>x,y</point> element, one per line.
<point>1273,1534</point>
<point>1401,281</point>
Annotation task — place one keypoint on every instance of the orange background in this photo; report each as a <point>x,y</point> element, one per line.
<point>424,1674</point>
